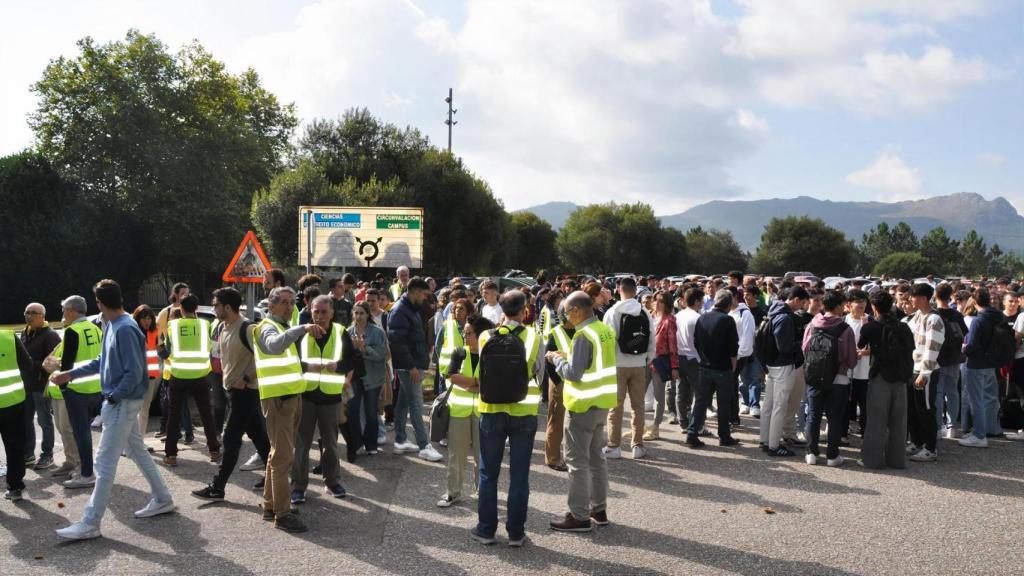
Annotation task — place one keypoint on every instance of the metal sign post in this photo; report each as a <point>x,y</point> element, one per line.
<point>250,302</point>
<point>310,233</point>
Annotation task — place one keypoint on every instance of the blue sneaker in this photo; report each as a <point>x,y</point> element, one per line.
<point>338,491</point>
<point>298,496</point>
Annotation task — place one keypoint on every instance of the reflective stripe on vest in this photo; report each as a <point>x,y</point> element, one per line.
<point>527,406</point>
<point>598,387</point>
<point>328,382</point>
<point>276,374</point>
<point>546,322</point>
<point>12,389</point>
<point>452,342</point>
<point>462,402</point>
<point>152,358</point>
<point>90,344</point>
<point>190,348</point>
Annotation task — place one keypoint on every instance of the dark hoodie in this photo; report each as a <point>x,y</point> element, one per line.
<point>847,345</point>
<point>784,327</point>
<point>979,338</point>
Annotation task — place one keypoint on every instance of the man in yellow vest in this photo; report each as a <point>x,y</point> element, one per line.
<point>82,344</point>
<point>401,284</point>
<point>324,373</point>
<point>188,348</point>
<point>589,389</point>
<point>15,369</point>
<point>281,384</point>
<point>516,423</point>
<point>560,340</point>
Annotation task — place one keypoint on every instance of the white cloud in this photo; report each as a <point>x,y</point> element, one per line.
<point>889,176</point>
<point>990,159</point>
<point>747,120</point>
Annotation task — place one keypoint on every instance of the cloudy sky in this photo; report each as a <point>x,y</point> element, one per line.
<point>671,102</point>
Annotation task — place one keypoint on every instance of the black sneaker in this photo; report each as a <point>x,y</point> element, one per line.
<point>259,484</point>
<point>338,491</point>
<point>318,469</point>
<point>694,442</point>
<point>571,524</point>
<point>559,467</point>
<point>190,439</point>
<point>268,515</point>
<point>728,441</point>
<point>781,451</point>
<point>794,441</point>
<point>13,495</point>
<point>735,422</point>
<point>290,523</point>
<point>210,492</point>
<point>600,518</point>
<point>764,447</point>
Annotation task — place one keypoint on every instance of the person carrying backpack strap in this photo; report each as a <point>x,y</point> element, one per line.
<point>634,333</point>
<point>830,352</point>
<point>982,347</point>
<point>515,422</point>
<point>951,359</point>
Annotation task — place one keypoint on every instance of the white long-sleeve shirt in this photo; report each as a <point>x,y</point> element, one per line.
<point>612,318</point>
<point>745,329</point>
<point>686,324</point>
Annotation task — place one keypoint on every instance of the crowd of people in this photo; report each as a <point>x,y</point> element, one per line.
<point>900,365</point>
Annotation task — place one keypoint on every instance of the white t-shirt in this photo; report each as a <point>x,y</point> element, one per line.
<point>492,313</point>
<point>1018,327</point>
<point>686,325</point>
<point>860,371</point>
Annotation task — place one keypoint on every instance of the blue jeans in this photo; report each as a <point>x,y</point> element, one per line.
<point>410,400</point>
<point>979,389</point>
<point>38,405</point>
<point>520,431</point>
<point>367,400</point>
<point>80,410</point>
<point>751,382</point>
<point>947,396</point>
<point>120,435</point>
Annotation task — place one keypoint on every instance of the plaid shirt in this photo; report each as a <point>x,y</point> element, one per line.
<point>929,333</point>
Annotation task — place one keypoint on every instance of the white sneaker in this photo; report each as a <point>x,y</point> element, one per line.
<point>925,455</point>
<point>253,463</point>
<point>639,452</point>
<point>755,412</point>
<point>973,441</point>
<point>612,453</point>
<point>912,448</point>
<point>953,433</point>
<point>430,454</point>
<point>446,501</point>
<point>77,481</point>
<point>155,508</point>
<point>1019,435</point>
<point>745,410</point>
<point>835,462</point>
<point>97,422</point>
<point>401,448</point>
<point>79,531</point>
<point>811,459</point>
<point>443,442</point>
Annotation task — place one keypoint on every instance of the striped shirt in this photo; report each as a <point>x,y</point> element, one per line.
<point>929,333</point>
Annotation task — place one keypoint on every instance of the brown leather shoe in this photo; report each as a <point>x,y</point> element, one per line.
<point>216,457</point>
<point>600,518</point>
<point>170,461</point>
<point>571,524</point>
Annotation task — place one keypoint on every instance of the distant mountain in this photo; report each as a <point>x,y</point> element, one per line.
<point>554,213</point>
<point>997,221</point>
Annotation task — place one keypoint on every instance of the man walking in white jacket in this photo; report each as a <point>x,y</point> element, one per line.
<point>634,351</point>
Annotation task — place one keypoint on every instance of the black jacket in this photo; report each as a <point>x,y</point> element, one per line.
<point>716,340</point>
<point>39,344</point>
<point>405,333</point>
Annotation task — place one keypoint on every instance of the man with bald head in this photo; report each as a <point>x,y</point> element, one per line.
<point>589,389</point>
<point>39,340</point>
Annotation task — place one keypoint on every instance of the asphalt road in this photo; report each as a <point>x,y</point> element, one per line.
<point>678,512</point>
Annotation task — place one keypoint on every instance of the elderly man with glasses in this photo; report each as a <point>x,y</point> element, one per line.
<point>39,340</point>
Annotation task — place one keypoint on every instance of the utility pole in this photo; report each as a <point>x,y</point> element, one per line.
<point>449,121</point>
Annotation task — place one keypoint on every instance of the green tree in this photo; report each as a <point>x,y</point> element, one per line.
<point>883,240</point>
<point>173,138</point>
<point>905,265</point>
<point>534,242</point>
<point>586,242</point>
<point>712,251</point>
<point>1006,264</point>
<point>973,255</point>
<point>941,250</point>
<point>59,240</point>
<point>612,237</point>
<point>803,243</point>
<point>672,253</point>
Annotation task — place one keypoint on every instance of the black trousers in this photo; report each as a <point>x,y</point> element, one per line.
<point>12,432</point>
<point>199,390</point>
<point>831,401</point>
<point>243,418</point>
<point>857,409</point>
<point>219,398</point>
<point>921,413</point>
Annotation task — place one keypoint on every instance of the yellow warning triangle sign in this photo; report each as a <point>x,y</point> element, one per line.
<point>249,263</point>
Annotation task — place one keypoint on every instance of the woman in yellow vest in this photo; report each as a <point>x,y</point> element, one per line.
<point>463,375</point>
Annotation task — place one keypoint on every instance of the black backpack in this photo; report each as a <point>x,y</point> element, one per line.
<point>953,344</point>
<point>1003,346</point>
<point>821,360</point>
<point>634,333</point>
<point>765,347</point>
<point>504,376</point>
<point>896,358</point>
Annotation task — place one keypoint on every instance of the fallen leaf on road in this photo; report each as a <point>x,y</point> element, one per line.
<point>769,510</point>
<point>60,504</point>
<point>39,556</point>
<point>723,510</point>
